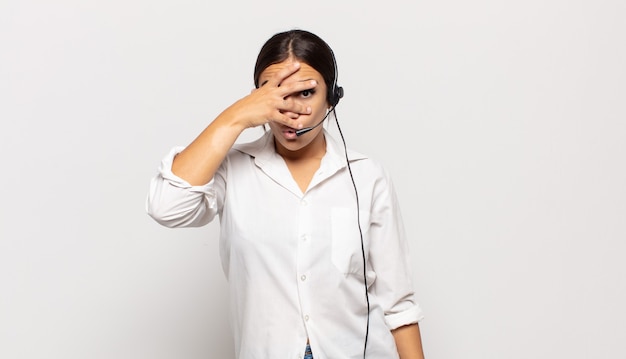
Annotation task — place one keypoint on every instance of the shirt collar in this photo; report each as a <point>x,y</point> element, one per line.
<point>270,162</point>
<point>264,152</point>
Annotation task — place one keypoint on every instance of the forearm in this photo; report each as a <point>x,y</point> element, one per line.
<point>409,341</point>
<point>200,160</point>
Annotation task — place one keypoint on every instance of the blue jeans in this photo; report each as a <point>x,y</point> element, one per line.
<point>307,352</point>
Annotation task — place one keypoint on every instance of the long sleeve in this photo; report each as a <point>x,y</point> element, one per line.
<point>389,257</point>
<point>173,202</point>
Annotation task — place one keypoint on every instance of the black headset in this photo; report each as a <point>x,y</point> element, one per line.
<point>335,93</point>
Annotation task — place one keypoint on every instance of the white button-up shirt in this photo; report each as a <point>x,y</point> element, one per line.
<point>293,260</point>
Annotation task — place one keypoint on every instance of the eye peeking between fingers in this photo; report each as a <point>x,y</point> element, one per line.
<point>307,93</point>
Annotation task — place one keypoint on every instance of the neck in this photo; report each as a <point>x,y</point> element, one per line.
<point>316,149</point>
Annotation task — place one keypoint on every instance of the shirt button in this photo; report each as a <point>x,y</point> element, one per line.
<point>303,277</point>
<point>306,318</point>
<point>304,237</point>
<point>304,203</point>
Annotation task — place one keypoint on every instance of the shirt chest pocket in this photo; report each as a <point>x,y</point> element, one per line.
<point>346,251</point>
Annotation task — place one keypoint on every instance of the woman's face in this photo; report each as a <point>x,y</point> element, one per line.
<point>285,137</point>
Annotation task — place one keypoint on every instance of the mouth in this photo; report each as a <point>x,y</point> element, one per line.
<point>289,133</point>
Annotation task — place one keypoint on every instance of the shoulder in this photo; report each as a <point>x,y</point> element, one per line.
<point>372,173</point>
<point>258,149</point>
<point>255,147</point>
<point>360,162</point>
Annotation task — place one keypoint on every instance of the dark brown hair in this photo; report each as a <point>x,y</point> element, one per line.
<point>305,47</point>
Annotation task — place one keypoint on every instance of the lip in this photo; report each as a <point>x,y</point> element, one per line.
<point>289,133</point>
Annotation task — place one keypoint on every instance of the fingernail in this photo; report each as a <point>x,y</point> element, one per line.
<point>308,110</point>
<point>313,82</point>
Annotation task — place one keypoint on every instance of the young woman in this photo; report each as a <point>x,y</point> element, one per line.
<point>312,241</point>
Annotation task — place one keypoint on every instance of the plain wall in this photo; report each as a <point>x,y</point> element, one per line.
<point>502,122</point>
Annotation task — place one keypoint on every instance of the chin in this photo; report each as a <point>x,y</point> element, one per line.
<point>291,145</point>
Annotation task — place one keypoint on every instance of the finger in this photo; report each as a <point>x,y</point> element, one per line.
<point>291,115</point>
<point>278,77</point>
<point>288,70</point>
<point>291,105</point>
<point>295,88</point>
<point>289,118</point>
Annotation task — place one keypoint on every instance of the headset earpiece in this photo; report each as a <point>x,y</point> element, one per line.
<point>336,92</point>
<point>337,95</point>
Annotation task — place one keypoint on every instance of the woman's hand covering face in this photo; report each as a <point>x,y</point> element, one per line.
<point>272,101</point>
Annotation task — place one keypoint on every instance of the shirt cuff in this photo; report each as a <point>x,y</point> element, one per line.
<point>410,316</point>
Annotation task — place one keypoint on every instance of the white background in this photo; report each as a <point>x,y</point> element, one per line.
<point>502,122</point>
